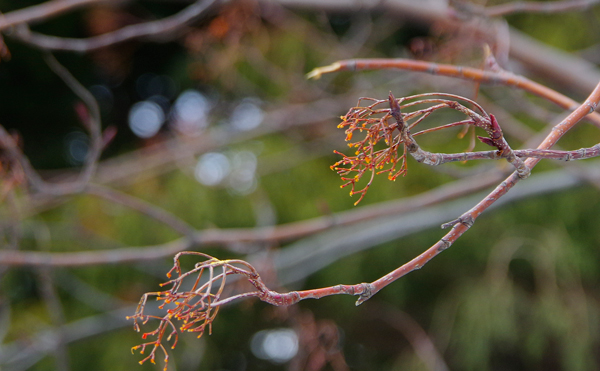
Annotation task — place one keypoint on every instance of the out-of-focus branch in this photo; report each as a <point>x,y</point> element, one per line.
<point>224,237</point>
<point>296,262</point>
<point>91,121</point>
<point>551,63</point>
<point>17,356</point>
<point>142,206</point>
<point>164,156</point>
<point>42,12</point>
<point>537,7</point>
<point>414,333</point>
<point>56,313</point>
<point>163,28</point>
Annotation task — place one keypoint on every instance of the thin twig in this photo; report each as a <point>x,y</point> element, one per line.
<point>92,124</point>
<point>461,72</point>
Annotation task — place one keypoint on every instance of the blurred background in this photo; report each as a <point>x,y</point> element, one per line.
<point>213,140</point>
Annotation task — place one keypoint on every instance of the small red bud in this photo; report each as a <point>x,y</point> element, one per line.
<point>487,141</point>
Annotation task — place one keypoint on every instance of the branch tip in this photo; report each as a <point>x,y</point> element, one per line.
<point>317,72</point>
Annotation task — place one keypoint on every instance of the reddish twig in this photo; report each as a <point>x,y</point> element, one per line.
<point>465,221</point>
<point>197,307</point>
<point>467,73</point>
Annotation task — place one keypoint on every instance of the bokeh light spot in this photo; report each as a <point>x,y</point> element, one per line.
<point>247,115</point>
<point>212,168</point>
<point>277,346</point>
<point>190,112</point>
<point>146,118</point>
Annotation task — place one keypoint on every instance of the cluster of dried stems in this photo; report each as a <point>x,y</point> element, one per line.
<point>385,128</point>
<point>367,159</point>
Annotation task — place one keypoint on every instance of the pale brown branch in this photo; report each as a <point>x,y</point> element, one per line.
<point>415,334</point>
<point>292,231</point>
<point>578,154</point>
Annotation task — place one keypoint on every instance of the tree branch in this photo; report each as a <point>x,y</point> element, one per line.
<point>465,221</point>
<point>467,73</point>
<point>148,29</point>
<point>41,12</point>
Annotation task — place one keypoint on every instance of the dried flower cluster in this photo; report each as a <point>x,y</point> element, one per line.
<point>195,307</point>
<point>367,158</point>
<point>384,130</point>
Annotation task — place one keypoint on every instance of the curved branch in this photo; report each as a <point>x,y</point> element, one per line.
<point>465,221</point>
<point>461,72</point>
<point>136,31</point>
<point>91,121</point>
<point>41,12</point>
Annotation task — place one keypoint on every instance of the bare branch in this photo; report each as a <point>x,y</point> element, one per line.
<point>461,72</point>
<point>537,7</point>
<point>92,124</point>
<point>41,12</point>
<point>162,28</point>
<point>465,221</point>
<point>143,207</point>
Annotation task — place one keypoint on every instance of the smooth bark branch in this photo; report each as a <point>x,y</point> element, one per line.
<point>461,72</point>
<point>578,154</point>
